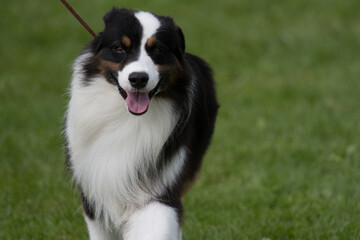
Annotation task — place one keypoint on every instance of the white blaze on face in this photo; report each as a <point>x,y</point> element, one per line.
<point>144,63</point>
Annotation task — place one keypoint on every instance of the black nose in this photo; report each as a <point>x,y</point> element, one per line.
<point>138,79</point>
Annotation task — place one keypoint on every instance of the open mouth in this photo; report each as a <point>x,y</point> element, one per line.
<point>138,102</point>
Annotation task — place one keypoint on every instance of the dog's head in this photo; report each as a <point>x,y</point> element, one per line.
<point>140,53</point>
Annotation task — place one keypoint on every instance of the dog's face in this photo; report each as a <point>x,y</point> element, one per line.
<point>139,52</point>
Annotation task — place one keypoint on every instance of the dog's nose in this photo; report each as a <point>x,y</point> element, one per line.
<point>138,79</point>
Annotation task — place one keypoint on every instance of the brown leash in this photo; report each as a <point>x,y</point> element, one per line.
<point>74,13</point>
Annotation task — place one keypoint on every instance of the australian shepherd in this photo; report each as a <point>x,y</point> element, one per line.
<point>140,118</point>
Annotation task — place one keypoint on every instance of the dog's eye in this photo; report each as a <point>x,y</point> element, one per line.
<point>118,49</point>
<point>158,50</point>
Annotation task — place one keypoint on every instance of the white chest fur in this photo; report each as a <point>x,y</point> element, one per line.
<point>109,147</point>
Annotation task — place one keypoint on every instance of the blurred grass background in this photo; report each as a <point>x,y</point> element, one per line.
<point>285,159</point>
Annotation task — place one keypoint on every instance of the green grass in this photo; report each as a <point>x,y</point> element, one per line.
<point>285,159</point>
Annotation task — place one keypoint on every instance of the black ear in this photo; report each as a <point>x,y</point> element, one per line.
<point>96,43</point>
<point>181,39</point>
<point>180,51</point>
<point>110,14</point>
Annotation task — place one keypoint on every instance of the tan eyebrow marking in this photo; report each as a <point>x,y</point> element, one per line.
<point>126,41</point>
<point>104,65</point>
<point>151,41</point>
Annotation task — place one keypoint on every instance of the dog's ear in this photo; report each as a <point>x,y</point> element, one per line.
<point>180,51</point>
<point>110,14</point>
<point>96,43</point>
<point>181,39</point>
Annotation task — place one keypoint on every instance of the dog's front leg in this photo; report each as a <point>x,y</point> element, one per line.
<point>97,230</point>
<point>156,221</point>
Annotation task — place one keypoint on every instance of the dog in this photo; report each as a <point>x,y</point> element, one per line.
<point>140,117</point>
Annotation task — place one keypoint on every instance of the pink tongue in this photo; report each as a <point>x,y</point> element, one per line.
<point>137,102</point>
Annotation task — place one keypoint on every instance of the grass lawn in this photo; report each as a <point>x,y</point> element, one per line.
<point>285,159</point>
